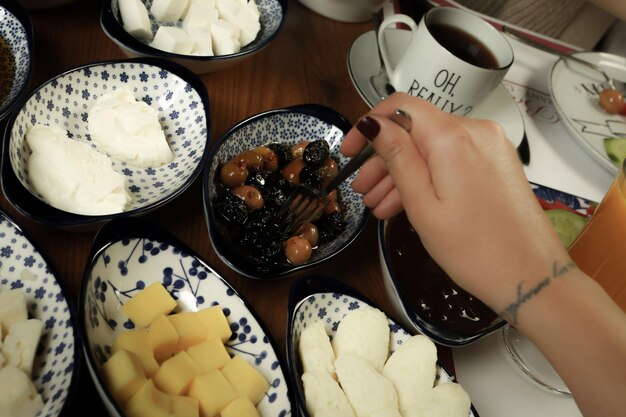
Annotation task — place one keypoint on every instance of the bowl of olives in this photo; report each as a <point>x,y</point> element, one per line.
<point>253,169</point>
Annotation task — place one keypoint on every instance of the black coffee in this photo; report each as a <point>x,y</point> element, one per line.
<point>463,45</point>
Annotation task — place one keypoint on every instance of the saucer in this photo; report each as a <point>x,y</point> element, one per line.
<point>574,89</point>
<point>363,62</point>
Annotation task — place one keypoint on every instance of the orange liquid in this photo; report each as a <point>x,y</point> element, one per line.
<point>600,249</point>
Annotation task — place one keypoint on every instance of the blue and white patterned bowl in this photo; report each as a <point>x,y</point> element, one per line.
<point>183,107</point>
<point>289,125</point>
<point>17,45</point>
<point>273,16</point>
<point>128,255</point>
<point>57,360</point>
<point>325,299</point>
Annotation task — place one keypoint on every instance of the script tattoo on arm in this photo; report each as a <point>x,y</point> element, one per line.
<point>510,312</point>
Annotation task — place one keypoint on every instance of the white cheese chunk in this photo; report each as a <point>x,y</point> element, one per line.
<point>316,352</point>
<point>225,38</point>
<point>252,7</point>
<point>128,130</point>
<point>18,396</point>
<point>228,9</point>
<point>324,395</point>
<point>135,18</point>
<point>20,344</point>
<point>12,309</point>
<point>172,39</point>
<point>444,400</point>
<point>72,176</point>
<point>203,10</point>
<point>248,25</point>
<point>168,10</point>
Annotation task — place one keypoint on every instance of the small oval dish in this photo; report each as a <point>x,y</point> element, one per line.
<point>273,14</point>
<point>318,298</point>
<point>128,255</point>
<point>182,103</point>
<point>285,126</point>
<point>57,361</point>
<point>17,51</point>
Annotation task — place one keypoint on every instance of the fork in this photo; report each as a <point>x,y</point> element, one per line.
<point>306,202</point>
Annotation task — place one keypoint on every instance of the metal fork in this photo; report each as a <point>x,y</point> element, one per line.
<point>305,203</point>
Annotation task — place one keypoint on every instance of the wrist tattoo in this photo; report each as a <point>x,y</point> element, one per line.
<point>510,312</point>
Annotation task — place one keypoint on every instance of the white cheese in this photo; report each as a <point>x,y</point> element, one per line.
<point>128,130</point>
<point>316,352</point>
<point>168,10</point>
<point>225,38</point>
<point>248,25</point>
<point>135,18</point>
<point>201,9</point>
<point>20,344</point>
<point>18,396</point>
<point>172,39</point>
<point>72,176</point>
<point>444,400</point>
<point>324,396</point>
<point>12,309</point>
<point>3,360</point>
<point>228,9</point>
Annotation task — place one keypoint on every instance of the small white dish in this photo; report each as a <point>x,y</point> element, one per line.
<point>363,62</point>
<point>575,89</point>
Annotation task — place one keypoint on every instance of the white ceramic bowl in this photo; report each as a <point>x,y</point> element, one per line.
<point>57,360</point>
<point>318,298</point>
<point>128,255</point>
<point>287,126</point>
<point>273,16</point>
<point>350,11</point>
<point>406,309</point>
<point>183,108</point>
<point>16,32</point>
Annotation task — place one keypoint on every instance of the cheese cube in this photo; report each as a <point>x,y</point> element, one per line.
<point>189,328</point>
<point>135,18</point>
<point>240,407</point>
<point>168,10</point>
<point>215,322</point>
<point>200,13</point>
<point>225,37</point>
<point>246,379</point>
<point>138,341</point>
<point>12,308</point>
<point>149,303</point>
<point>252,7</point>
<point>249,26</point>
<point>228,9</point>
<point>164,338</point>
<point>213,392</point>
<point>123,375</point>
<point>18,396</point>
<point>148,401</point>
<point>20,344</point>
<point>176,374</point>
<point>210,354</point>
<point>172,39</point>
<point>185,406</point>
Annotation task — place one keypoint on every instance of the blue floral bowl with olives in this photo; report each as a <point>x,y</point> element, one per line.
<point>128,255</point>
<point>252,171</point>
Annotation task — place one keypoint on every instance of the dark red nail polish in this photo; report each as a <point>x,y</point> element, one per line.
<point>369,127</point>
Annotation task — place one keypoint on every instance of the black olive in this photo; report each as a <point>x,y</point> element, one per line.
<point>312,176</point>
<point>232,208</point>
<point>283,152</point>
<point>316,153</point>
<point>329,227</point>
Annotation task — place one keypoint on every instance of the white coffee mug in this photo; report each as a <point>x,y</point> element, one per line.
<point>428,70</point>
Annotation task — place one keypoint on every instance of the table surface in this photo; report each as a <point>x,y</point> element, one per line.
<point>70,36</point>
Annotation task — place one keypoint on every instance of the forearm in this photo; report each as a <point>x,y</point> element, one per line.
<point>582,332</point>
<point>616,7</point>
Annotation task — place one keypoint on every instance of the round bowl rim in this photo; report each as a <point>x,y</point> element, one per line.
<point>321,112</point>
<point>34,208</point>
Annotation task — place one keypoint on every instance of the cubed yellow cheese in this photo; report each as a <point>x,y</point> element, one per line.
<point>148,401</point>
<point>185,406</point>
<point>215,322</point>
<point>149,303</point>
<point>164,338</point>
<point>138,341</point>
<point>124,375</point>
<point>175,374</point>
<point>213,392</point>
<point>189,328</point>
<point>210,354</point>
<point>246,379</point>
<point>240,407</point>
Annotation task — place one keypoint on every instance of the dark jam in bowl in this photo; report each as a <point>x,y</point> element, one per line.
<point>434,296</point>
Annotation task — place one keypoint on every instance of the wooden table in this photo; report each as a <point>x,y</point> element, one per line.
<point>306,63</point>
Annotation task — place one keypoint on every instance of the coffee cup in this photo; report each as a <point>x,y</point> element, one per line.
<point>454,59</point>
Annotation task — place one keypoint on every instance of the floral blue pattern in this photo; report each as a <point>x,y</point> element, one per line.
<point>24,267</point>
<point>121,268</point>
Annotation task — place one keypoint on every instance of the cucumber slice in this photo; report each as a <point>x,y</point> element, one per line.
<point>567,224</point>
<point>615,149</point>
